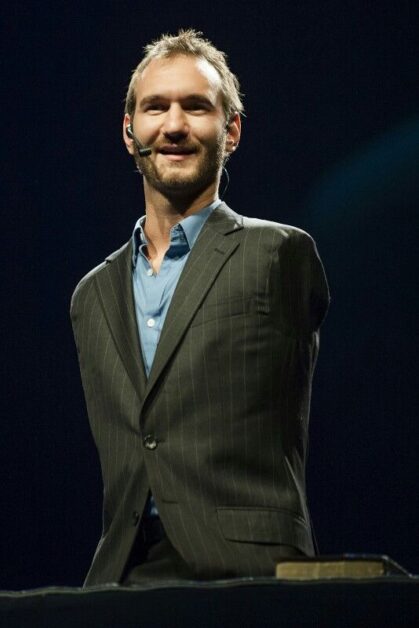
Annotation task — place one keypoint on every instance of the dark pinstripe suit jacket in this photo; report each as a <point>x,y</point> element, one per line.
<point>226,403</point>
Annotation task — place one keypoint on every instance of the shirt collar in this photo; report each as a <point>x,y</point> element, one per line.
<point>191,226</point>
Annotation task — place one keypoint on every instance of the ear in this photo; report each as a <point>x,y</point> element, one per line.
<point>233,134</point>
<point>128,141</point>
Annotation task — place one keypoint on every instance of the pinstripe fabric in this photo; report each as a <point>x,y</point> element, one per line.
<point>227,398</point>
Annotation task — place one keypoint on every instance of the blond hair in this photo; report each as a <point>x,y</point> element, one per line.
<point>192,43</point>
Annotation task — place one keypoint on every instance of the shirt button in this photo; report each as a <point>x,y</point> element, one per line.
<point>150,442</point>
<point>151,322</point>
<point>135,518</point>
<point>150,272</point>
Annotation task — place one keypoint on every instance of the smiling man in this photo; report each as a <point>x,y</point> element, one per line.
<point>197,342</point>
<point>179,111</point>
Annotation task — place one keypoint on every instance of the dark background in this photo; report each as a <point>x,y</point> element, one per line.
<point>330,144</point>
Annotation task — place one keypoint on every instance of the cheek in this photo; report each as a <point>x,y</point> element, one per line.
<point>146,127</point>
<point>210,134</point>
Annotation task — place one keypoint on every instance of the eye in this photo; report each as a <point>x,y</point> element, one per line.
<point>154,107</point>
<point>197,106</point>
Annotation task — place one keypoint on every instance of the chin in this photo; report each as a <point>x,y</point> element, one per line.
<point>185,182</point>
<point>182,188</point>
<point>181,182</point>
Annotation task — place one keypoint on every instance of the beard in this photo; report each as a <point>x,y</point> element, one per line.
<point>174,179</point>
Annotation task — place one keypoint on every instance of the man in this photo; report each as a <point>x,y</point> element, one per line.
<point>197,342</point>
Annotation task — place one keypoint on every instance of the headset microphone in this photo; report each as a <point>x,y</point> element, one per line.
<point>143,151</point>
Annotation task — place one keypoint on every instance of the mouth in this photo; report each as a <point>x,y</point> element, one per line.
<point>174,152</point>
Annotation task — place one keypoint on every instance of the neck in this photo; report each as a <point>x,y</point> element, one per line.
<point>164,211</point>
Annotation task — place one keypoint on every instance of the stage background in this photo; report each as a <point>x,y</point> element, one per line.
<point>330,144</point>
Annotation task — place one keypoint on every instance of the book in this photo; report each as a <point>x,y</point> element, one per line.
<point>343,566</point>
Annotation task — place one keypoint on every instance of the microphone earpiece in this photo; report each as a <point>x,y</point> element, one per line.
<point>143,151</point>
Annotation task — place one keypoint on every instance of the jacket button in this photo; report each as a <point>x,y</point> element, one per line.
<point>150,442</point>
<point>135,517</point>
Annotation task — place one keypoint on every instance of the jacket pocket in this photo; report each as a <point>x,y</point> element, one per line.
<point>229,309</point>
<point>264,525</point>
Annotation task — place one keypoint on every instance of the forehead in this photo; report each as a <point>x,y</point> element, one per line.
<point>180,75</point>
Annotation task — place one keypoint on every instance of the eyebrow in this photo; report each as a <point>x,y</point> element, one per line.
<point>159,97</point>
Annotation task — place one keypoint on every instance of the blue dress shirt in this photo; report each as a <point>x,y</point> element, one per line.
<point>153,292</point>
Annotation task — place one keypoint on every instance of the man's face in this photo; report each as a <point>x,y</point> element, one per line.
<point>179,114</point>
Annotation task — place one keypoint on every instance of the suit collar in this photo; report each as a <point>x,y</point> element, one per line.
<point>224,220</point>
<point>114,285</point>
<point>211,251</point>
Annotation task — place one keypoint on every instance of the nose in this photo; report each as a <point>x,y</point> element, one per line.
<point>175,125</point>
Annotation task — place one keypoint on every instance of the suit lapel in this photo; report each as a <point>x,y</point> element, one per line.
<point>208,256</point>
<point>114,287</point>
